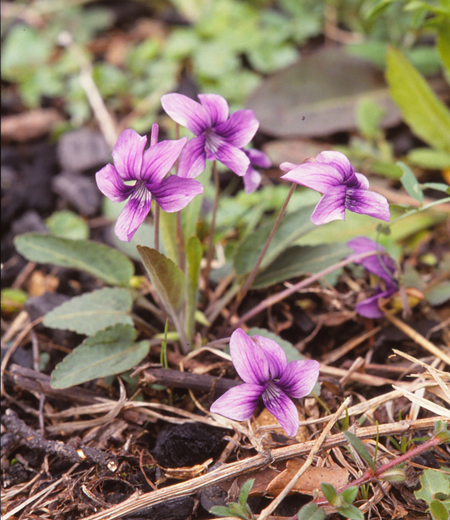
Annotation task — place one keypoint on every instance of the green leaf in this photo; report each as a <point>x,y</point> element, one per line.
<point>98,260</point>
<point>410,183</point>
<point>351,512</point>
<point>68,224</point>
<point>311,512</point>
<point>292,227</point>
<point>427,116</point>
<point>443,43</point>
<point>297,261</point>
<point>168,233</point>
<point>13,299</point>
<point>194,252</point>
<point>220,511</point>
<point>329,492</point>
<point>438,186</point>
<point>429,158</point>
<point>166,277</point>
<point>438,294</point>
<point>108,352</point>
<point>368,117</point>
<point>92,312</point>
<point>245,491</point>
<point>360,448</point>
<point>433,482</point>
<point>350,494</point>
<point>439,511</point>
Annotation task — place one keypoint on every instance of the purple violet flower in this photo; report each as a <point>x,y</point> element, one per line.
<point>263,366</point>
<point>252,178</point>
<point>218,137</point>
<point>148,169</point>
<point>332,174</point>
<point>379,264</point>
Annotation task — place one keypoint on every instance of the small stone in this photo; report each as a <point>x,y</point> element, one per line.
<point>79,191</point>
<point>82,149</point>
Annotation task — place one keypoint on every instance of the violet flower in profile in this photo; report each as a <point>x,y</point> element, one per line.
<point>252,177</point>
<point>148,170</point>
<point>218,137</point>
<point>379,264</point>
<point>332,174</point>
<point>263,366</point>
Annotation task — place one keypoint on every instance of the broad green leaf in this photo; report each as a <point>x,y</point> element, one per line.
<point>360,448</point>
<point>443,43</point>
<point>350,494</point>
<point>438,294</point>
<point>220,511</point>
<point>410,182</point>
<point>329,492</point>
<point>427,116</point>
<point>433,482</point>
<point>429,158</point>
<point>438,510</point>
<point>92,312</point>
<point>311,512</point>
<point>108,352</point>
<point>297,261</point>
<point>168,234</point>
<point>245,491</point>
<point>439,186</point>
<point>194,252</point>
<point>351,512</point>
<point>368,117</point>
<point>166,277</point>
<point>68,224</point>
<point>98,260</point>
<point>292,227</point>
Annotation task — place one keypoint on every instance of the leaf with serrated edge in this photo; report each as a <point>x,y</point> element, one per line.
<point>91,312</point>
<point>98,260</point>
<point>108,352</point>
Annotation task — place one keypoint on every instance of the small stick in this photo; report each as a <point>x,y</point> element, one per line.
<point>317,445</point>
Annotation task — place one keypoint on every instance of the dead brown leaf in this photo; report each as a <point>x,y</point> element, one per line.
<point>29,125</point>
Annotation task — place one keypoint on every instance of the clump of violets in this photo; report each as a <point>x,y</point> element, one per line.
<point>218,136</point>
<point>381,265</point>
<point>263,366</point>
<point>147,170</point>
<point>331,174</point>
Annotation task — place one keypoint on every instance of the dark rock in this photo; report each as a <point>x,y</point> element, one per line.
<point>21,356</point>
<point>79,191</point>
<point>178,509</point>
<point>82,149</point>
<point>29,222</point>
<point>187,444</point>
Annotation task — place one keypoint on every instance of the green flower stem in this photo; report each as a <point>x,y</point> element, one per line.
<point>213,224</point>
<point>251,277</point>
<point>156,227</point>
<point>275,298</point>
<point>370,475</point>
<point>180,242</point>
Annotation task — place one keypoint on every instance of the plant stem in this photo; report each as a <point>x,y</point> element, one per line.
<point>271,300</point>
<point>251,277</point>
<point>180,242</point>
<point>213,224</point>
<point>156,227</point>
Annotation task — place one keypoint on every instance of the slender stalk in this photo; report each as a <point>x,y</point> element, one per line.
<point>213,224</point>
<point>272,300</point>
<point>251,277</point>
<point>180,242</point>
<point>156,227</point>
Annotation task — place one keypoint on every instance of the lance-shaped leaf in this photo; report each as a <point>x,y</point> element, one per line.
<point>311,512</point>
<point>98,260</point>
<point>108,352</point>
<point>193,259</point>
<point>91,312</point>
<point>360,448</point>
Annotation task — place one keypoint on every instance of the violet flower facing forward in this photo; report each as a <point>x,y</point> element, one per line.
<point>218,137</point>
<point>252,178</point>
<point>263,366</point>
<point>379,264</point>
<point>148,170</point>
<point>332,174</point>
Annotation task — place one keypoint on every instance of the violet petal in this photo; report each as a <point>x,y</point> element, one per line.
<point>239,129</point>
<point>127,154</point>
<point>299,378</point>
<point>175,193</point>
<point>368,203</point>
<point>134,213</point>
<point>216,106</point>
<point>282,408</point>
<point>380,263</point>
<point>338,161</point>
<point>258,158</point>
<point>369,308</point>
<point>276,356</point>
<point>159,159</point>
<point>319,177</point>
<point>239,402</point>
<point>193,158</point>
<point>232,157</point>
<point>111,184</point>
<point>252,179</point>
<point>249,359</point>
<point>331,206</point>
<point>186,112</point>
